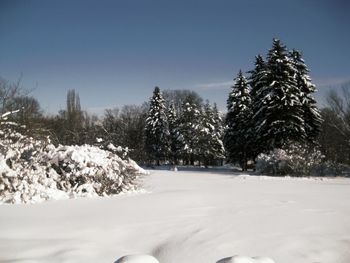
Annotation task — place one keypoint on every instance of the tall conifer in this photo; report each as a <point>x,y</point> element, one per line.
<point>238,122</point>
<point>157,130</point>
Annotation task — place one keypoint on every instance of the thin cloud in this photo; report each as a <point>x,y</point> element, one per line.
<point>215,85</point>
<point>99,111</point>
<point>331,82</point>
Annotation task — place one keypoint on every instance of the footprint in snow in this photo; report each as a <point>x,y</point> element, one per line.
<point>242,259</point>
<point>137,259</point>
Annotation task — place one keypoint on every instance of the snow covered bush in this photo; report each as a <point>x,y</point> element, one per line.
<point>35,170</point>
<point>295,159</point>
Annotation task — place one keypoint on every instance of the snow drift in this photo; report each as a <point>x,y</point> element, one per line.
<point>234,259</point>
<point>34,170</point>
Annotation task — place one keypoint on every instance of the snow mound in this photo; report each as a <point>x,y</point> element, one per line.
<point>33,171</point>
<point>243,259</point>
<point>137,259</point>
<point>235,259</point>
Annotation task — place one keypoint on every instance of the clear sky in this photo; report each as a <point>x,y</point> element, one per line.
<point>114,52</point>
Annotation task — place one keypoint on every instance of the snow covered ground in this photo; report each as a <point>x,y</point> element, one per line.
<point>189,217</point>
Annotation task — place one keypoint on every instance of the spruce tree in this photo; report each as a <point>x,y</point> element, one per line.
<point>257,81</point>
<point>279,116</point>
<point>311,113</point>
<point>217,146</point>
<point>190,125</point>
<point>175,137</point>
<point>210,140</point>
<point>257,78</point>
<point>156,129</point>
<point>238,121</point>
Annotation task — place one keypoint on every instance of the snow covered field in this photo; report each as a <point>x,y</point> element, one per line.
<point>188,217</point>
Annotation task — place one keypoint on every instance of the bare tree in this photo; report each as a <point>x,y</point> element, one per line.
<point>335,135</point>
<point>340,106</point>
<point>9,91</point>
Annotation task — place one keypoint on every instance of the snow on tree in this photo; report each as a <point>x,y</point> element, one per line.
<point>257,81</point>
<point>238,120</point>
<point>218,145</point>
<point>211,148</point>
<point>157,130</point>
<point>311,114</point>
<point>190,128</point>
<point>279,114</point>
<point>257,76</point>
<point>175,138</point>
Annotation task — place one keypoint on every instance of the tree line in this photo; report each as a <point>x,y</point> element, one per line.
<point>271,107</point>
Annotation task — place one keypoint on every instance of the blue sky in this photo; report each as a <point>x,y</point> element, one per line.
<point>114,52</point>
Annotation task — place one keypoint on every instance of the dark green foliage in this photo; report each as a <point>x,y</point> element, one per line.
<point>311,113</point>
<point>278,115</point>
<point>190,127</point>
<point>157,130</point>
<point>175,138</point>
<point>238,122</point>
<point>211,149</point>
<point>257,81</point>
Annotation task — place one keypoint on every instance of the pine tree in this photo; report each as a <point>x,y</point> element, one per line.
<point>204,131</point>
<point>190,125</point>
<point>279,117</point>
<point>156,130</point>
<point>257,81</point>
<point>217,132</point>
<point>311,113</point>
<point>257,78</point>
<point>239,113</point>
<point>175,137</point>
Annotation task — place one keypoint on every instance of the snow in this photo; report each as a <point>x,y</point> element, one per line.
<point>31,172</point>
<point>137,259</point>
<point>188,216</point>
<point>243,259</point>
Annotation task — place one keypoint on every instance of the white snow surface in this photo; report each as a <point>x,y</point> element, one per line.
<point>189,217</point>
<point>137,259</point>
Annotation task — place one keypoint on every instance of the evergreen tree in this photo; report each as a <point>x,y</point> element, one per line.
<point>279,115</point>
<point>190,126</point>
<point>257,81</point>
<point>239,113</point>
<point>257,78</point>
<point>175,137</point>
<point>156,129</point>
<point>311,113</point>
<point>213,133</point>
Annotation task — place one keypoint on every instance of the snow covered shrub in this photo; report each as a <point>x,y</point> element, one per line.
<point>18,168</point>
<point>88,170</point>
<point>295,159</point>
<point>107,145</point>
<point>34,170</point>
<point>272,163</point>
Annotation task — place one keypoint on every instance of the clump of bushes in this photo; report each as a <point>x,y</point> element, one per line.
<point>34,170</point>
<point>295,160</point>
